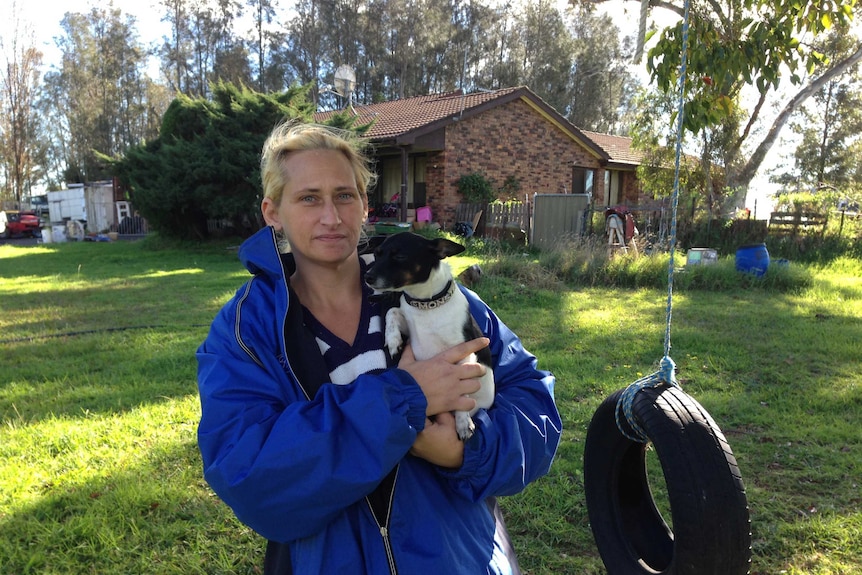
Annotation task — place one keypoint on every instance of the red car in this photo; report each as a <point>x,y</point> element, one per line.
<point>15,223</point>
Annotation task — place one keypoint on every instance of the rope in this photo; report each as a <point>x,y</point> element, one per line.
<point>666,375</point>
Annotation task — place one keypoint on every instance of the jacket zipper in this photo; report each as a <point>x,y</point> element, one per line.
<point>384,532</point>
<point>384,529</point>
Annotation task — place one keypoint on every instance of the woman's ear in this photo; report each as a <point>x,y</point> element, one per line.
<point>269,209</point>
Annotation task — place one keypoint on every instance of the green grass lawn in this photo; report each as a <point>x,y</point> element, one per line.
<point>99,471</point>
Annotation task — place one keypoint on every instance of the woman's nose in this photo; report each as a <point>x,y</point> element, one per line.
<point>330,213</point>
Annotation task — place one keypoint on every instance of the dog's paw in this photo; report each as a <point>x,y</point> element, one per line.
<point>393,335</point>
<point>464,425</point>
<point>395,346</point>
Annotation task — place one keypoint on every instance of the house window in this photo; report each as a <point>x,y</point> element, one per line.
<point>582,180</point>
<point>389,180</point>
<point>417,168</point>
<point>613,196</point>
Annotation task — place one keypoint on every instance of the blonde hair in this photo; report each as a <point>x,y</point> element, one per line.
<point>290,137</point>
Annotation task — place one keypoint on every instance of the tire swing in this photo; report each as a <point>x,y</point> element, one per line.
<point>711,533</point>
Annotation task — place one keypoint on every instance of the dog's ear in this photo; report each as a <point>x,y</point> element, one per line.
<point>370,244</point>
<point>446,248</point>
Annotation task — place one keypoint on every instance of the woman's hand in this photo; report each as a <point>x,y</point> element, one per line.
<point>438,443</point>
<point>444,380</point>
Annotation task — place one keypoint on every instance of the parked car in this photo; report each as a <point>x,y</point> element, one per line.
<point>15,223</point>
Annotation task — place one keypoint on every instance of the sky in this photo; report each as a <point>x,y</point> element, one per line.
<point>44,17</point>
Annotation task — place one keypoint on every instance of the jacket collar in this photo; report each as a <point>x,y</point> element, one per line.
<point>259,254</point>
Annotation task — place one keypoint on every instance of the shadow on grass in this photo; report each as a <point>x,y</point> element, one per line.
<point>118,331</point>
<point>97,373</point>
<point>156,516</point>
<point>113,305</point>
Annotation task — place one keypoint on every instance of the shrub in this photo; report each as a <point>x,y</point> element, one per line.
<point>205,164</point>
<point>510,188</point>
<point>476,189</point>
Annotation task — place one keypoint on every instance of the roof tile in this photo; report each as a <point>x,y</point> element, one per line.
<point>619,148</point>
<point>398,117</point>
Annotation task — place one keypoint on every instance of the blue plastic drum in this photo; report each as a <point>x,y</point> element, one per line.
<point>752,259</point>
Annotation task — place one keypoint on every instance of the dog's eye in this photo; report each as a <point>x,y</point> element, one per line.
<point>399,257</point>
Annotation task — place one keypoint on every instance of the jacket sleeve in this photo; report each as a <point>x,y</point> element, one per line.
<point>287,465</point>
<point>517,437</point>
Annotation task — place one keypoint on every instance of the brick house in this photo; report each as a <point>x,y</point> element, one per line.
<point>620,178</point>
<point>423,145</point>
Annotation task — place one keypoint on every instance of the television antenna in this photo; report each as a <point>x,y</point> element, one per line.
<point>344,84</point>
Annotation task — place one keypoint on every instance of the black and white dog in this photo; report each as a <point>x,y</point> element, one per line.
<point>432,312</point>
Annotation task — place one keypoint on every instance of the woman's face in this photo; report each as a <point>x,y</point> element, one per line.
<point>321,211</point>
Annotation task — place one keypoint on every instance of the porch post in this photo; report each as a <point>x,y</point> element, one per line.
<point>404,173</point>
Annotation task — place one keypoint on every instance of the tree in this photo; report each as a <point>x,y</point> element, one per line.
<point>602,88</point>
<point>217,55</point>
<point>655,172</point>
<point>461,45</point>
<point>175,51</point>
<point>573,61</point>
<point>263,12</point>
<point>829,125</point>
<point>98,99</point>
<point>548,54</point>
<point>305,43</point>
<point>343,27</point>
<point>20,150</point>
<point>753,43</point>
<point>702,183</point>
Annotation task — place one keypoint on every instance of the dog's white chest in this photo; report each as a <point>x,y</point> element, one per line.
<point>435,330</point>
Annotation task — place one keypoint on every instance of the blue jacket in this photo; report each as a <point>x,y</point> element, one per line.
<point>323,471</point>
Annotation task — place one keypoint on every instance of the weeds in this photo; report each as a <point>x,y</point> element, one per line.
<point>587,263</point>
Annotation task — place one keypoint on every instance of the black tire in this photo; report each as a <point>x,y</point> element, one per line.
<point>711,527</point>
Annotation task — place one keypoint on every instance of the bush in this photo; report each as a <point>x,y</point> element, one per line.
<point>205,164</point>
<point>476,189</point>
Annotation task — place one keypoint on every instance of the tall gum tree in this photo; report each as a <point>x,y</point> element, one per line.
<point>739,43</point>
<point>19,80</point>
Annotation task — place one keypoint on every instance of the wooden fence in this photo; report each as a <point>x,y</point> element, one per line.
<point>498,220</point>
<point>550,218</point>
<point>791,223</point>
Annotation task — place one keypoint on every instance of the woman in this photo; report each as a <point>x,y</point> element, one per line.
<point>344,461</point>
